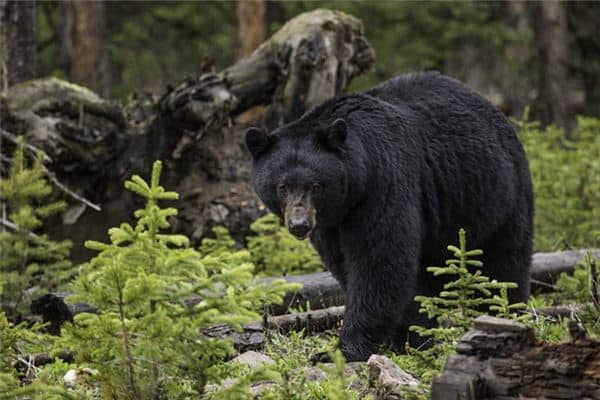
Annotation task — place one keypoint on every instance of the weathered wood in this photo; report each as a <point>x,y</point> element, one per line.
<point>254,335</point>
<point>310,321</point>
<point>320,290</point>
<point>501,359</point>
<point>196,128</point>
<point>25,362</point>
<point>309,60</point>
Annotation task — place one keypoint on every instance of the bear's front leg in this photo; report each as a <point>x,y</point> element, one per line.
<point>379,291</point>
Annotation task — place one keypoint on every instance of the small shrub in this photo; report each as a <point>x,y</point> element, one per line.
<point>583,287</point>
<point>31,263</point>
<point>16,343</point>
<point>276,252</point>
<point>454,311</point>
<point>146,344</point>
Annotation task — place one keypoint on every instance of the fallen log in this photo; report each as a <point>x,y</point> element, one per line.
<point>501,359</point>
<point>254,335</point>
<point>319,291</point>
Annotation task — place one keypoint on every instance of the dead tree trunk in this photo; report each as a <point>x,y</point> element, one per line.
<point>196,128</point>
<point>17,42</point>
<point>83,34</point>
<point>252,26</point>
<point>500,359</point>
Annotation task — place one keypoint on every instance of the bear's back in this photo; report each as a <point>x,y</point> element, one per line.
<point>426,87</point>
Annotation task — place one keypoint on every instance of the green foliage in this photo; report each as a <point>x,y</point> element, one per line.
<point>454,311</point>
<point>31,263</point>
<point>221,243</point>
<point>583,287</point>
<point>16,341</point>
<point>273,250</point>
<point>291,354</point>
<point>461,300</point>
<point>276,252</point>
<point>566,178</point>
<point>146,342</point>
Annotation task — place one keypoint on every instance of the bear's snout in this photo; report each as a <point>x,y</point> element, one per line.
<point>299,223</point>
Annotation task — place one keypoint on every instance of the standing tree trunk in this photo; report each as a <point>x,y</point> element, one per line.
<point>17,42</point>
<point>551,36</point>
<point>83,33</point>
<point>583,22</point>
<point>252,27</point>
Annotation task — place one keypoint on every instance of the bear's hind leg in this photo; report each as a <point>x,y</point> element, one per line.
<point>507,258</point>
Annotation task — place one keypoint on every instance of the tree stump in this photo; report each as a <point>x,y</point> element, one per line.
<point>501,359</point>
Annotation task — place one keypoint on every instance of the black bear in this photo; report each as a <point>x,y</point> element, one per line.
<point>381,182</point>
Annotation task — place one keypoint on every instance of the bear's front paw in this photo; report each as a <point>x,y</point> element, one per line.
<point>320,358</point>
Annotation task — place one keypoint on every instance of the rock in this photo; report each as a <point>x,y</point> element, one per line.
<point>70,378</point>
<point>311,374</point>
<point>317,374</point>
<point>388,378</point>
<point>255,388</point>
<point>253,359</point>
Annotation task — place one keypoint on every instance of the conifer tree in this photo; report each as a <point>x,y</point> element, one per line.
<point>31,263</point>
<point>146,343</point>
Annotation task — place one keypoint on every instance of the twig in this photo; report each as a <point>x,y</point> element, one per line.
<point>13,226</point>
<point>28,146</point>
<point>541,283</point>
<point>52,177</point>
<point>595,282</point>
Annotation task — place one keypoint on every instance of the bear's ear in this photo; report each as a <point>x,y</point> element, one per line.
<point>334,135</point>
<point>257,141</point>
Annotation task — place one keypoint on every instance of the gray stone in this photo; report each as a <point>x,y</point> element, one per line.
<point>488,323</point>
<point>388,378</point>
<point>253,359</point>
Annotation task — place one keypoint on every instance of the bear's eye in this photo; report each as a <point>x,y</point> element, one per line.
<point>316,188</point>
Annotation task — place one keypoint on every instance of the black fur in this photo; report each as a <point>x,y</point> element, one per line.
<point>415,159</point>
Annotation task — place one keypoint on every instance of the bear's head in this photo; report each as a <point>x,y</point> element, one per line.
<point>299,172</point>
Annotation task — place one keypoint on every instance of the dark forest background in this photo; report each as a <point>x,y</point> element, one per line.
<point>515,53</point>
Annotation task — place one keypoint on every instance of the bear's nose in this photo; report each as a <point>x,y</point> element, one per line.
<point>299,227</point>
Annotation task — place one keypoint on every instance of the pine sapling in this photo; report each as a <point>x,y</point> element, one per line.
<point>31,263</point>
<point>147,343</point>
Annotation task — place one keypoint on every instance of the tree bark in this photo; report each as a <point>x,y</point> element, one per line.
<point>583,22</point>
<point>551,36</point>
<point>17,42</point>
<point>252,26</point>
<point>501,359</point>
<point>83,43</point>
